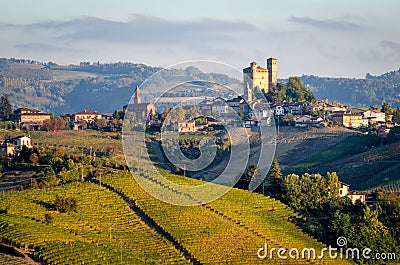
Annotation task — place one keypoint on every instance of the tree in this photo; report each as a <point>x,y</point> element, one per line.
<point>333,183</point>
<point>291,191</point>
<point>5,108</point>
<point>273,181</point>
<point>289,119</point>
<point>193,112</point>
<point>252,172</point>
<point>54,124</point>
<point>386,108</point>
<point>101,123</point>
<point>396,115</point>
<point>65,204</point>
<point>34,159</point>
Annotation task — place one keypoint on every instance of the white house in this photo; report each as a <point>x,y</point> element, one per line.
<point>279,110</point>
<point>21,141</point>
<point>374,116</point>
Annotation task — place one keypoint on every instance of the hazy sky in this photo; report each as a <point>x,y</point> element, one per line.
<point>328,38</point>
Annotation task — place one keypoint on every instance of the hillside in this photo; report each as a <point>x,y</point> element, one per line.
<point>122,217</point>
<point>372,90</point>
<point>357,162</point>
<point>101,87</point>
<point>106,87</point>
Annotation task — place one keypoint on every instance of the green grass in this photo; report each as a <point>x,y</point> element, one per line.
<point>351,145</point>
<point>356,161</point>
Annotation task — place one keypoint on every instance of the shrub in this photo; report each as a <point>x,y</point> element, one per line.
<point>65,204</point>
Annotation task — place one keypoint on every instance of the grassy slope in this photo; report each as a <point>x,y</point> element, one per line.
<point>362,167</point>
<point>82,237</point>
<point>227,230</point>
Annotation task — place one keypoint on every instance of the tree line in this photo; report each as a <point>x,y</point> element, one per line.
<point>329,215</point>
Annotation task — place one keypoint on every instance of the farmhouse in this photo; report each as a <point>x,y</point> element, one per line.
<point>32,119</point>
<point>344,190</point>
<point>186,126</point>
<point>10,147</point>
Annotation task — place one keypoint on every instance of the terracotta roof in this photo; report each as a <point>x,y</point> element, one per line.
<point>88,112</point>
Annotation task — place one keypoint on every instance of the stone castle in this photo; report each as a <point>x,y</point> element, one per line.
<point>256,76</point>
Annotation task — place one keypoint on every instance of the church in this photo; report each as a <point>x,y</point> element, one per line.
<point>141,112</point>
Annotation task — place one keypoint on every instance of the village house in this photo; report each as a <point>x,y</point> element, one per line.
<point>7,150</point>
<point>344,191</point>
<point>250,123</point>
<point>87,116</point>
<point>107,116</point>
<point>238,105</point>
<point>307,120</point>
<point>278,109</point>
<point>375,116</point>
<point>186,126</point>
<point>347,119</point>
<point>205,107</point>
<point>10,147</point>
<point>295,108</point>
<point>335,107</point>
<point>32,119</point>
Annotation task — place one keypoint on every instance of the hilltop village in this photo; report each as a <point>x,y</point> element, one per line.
<point>263,99</point>
<point>66,177</point>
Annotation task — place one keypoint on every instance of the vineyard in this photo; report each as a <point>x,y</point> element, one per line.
<point>117,222</point>
<point>102,231</point>
<point>229,230</point>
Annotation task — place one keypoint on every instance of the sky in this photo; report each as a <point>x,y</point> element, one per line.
<point>315,37</point>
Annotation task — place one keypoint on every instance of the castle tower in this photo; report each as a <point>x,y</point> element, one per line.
<point>273,71</point>
<point>254,76</point>
<point>137,99</point>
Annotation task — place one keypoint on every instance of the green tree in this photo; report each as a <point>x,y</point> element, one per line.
<point>291,191</point>
<point>289,119</point>
<point>273,181</point>
<point>386,108</point>
<point>34,159</point>
<point>333,184</point>
<point>396,116</point>
<point>65,204</point>
<point>5,108</point>
<point>252,172</point>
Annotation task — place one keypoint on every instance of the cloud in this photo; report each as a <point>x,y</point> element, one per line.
<point>42,47</point>
<point>394,47</point>
<point>142,29</point>
<point>330,24</point>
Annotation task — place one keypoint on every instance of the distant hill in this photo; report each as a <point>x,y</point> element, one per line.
<point>106,87</point>
<point>100,87</point>
<point>372,90</point>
